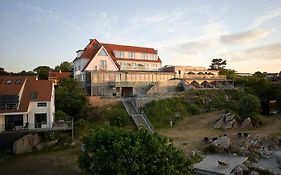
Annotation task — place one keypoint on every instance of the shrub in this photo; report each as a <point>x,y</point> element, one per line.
<point>193,109</point>
<point>110,150</point>
<point>248,106</point>
<point>119,117</point>
<point>60,115</point>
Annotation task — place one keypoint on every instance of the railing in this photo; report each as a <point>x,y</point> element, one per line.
<point>203,76</point>
<point>138,116</point>
<point>58,125</point>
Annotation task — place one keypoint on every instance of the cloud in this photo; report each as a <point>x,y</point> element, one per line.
<point>244,37</point>
<point>50,14</point>
<point>269,52</point>
<point>196,47</point>
<point>268,14</point>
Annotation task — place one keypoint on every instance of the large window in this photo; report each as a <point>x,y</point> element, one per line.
<point>40,120</point>
<point>11,121</point>
<point>144,56</point>
<point>9,101</point>
<point>119,54</point>
<point>103,64</point>
<point>131,55</point>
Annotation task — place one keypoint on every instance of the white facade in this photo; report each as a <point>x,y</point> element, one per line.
<point>34,108</point>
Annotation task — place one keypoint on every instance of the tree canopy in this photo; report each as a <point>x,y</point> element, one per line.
<point>42,72</point>
<point>70,97</point>
<point>218,64</point>
<point>110,150</point>
<point>249,105</point>
<point>64,66</point>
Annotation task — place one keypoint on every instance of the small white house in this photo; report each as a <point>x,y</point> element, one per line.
<point>26,103</point>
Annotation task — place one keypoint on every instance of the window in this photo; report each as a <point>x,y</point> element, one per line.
<point>102,53</point>
<point>44,104</point>
<point>119,54</point>
<point>18,82</point>
<point>131,55</point>
<point>34,95</point>
<point>40,120</point>
<point>144,56</point>
<point>8,82</point>
<point>103,64</point>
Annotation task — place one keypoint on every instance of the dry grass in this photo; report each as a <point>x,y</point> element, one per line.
<point>189,132</point>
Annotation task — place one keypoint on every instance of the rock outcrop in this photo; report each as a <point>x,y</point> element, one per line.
<point>226,121</point>
<point>26,143</point>
<point>222,143</point>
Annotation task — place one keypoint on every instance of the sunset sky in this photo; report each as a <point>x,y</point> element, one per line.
<point>185,32</point>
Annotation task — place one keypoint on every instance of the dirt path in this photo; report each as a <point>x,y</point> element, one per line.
<point>45,163</point>
<point>189,133</point>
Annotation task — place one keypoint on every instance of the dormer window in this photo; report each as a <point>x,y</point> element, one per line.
<point>8,82</point>
<point>119,54</point>
<point>34,95</point>
<point>144,56</point>
<point>131,55</point>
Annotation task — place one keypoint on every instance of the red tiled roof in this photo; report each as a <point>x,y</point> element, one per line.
<point>93,47</point>
<point>42,87</point>
<point>59,75</point>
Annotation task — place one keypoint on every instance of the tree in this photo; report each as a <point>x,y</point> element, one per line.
<point>230,74</point>
<point>70,97</point>
<point>2,71</point>
<point>218,64</point>
<point>64,66</point>
<point>248,106</point>
<point>110,150</point>
<point>42,72</point>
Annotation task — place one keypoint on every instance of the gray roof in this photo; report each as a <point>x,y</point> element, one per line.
<point>209,165</point>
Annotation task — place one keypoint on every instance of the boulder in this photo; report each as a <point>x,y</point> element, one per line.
<point>247,124</point>
<point>218,124</point>
<point>26,143</point>
<point>40,146</point>
<point>222,142</point>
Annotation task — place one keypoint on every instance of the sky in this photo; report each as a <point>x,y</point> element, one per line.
<point>246,33</point>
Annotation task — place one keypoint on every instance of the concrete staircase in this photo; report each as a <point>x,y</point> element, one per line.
<point>139,118</point>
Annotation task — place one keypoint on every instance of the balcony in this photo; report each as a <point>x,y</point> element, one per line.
<point>202,77</point>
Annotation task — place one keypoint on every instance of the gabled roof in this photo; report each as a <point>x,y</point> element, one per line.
<point>94,46</point>
<point>29,84</point>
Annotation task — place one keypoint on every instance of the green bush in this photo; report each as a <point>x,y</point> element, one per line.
<point>119,117</point>
<point>193,109</point>
<point>249,105</point>
<point>110,150</point>
<point>60,115</point>
<point>160,113</point>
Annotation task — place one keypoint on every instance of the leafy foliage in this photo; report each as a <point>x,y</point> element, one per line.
<point>64,66</point>
<point>160,113</point>
<point>42,72</point>
<point>70,98</point>
<point>248,106</point>
<point>111,150</point>
<point>217,64</point>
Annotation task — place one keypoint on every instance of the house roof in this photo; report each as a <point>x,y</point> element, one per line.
<point>59,75</point>
<point>28,85</point>
<point>94,46</point>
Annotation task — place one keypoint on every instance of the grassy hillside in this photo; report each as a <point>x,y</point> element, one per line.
<point>162,113</point>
